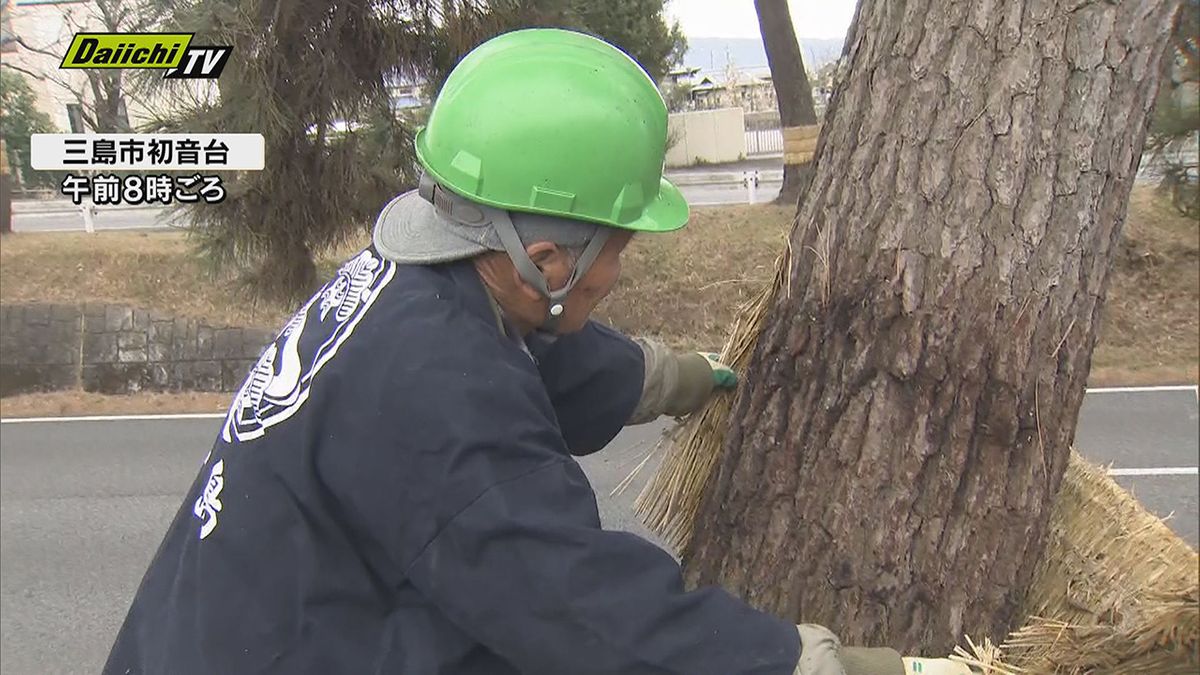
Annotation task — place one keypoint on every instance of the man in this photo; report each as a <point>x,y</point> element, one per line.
<point>394,491</point>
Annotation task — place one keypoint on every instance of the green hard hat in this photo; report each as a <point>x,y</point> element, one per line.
<point>558,123</point>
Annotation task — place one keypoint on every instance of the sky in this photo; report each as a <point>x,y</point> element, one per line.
<point>736,18</point>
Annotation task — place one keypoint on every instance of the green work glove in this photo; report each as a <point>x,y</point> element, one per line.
<point>918,666</point>
<point>723,375</point>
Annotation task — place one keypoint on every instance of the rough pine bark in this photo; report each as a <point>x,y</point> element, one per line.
<point>792,90</point>
<point>907,414</point>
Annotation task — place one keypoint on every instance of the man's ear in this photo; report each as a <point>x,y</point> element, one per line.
<point>552,260</point>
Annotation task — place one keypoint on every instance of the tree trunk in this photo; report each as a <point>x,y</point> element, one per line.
<point>796,179</point>
<point>108,102</point>
<point>792,89</point>
<point>907,414</point>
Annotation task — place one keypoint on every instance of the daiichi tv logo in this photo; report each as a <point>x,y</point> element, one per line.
<point>173,53</point>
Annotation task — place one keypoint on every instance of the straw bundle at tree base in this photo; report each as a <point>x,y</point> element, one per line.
<point>1116,590</point>
<point>670,500</point>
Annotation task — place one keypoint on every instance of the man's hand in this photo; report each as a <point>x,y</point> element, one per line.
<point>821,653</point>
<point>678,383</point>
<point>723,376</point>
<point>919,666</point>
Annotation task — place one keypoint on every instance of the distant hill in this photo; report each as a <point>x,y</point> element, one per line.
<point>708,53</point>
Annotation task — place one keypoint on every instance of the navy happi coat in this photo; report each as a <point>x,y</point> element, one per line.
<point>394,491</point>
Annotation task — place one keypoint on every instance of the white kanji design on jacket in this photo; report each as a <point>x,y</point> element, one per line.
<point>347,290</point>
<point>208,504</point>
<point>278,384</point>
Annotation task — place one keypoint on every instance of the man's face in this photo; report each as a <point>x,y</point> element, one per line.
<point>599,281</point>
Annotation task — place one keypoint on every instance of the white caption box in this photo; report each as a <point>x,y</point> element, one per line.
<point>147,152</point>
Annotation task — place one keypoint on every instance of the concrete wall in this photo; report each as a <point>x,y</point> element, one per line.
<point>711,136</point>
<point>114,349</point>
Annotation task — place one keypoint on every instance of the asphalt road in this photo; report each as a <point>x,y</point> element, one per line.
<point>84,504</point>
<point>714,194</point>
<point>1149,431</point>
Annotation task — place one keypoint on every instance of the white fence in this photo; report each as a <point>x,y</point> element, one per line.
<point>764,142</point>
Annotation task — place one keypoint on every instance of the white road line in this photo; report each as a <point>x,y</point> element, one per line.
<point>1158,471</point>
<point>1140,390</point>
<point>114,418</point>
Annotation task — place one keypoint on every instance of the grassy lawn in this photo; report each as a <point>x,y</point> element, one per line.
<point>684,287</point>
<point>65,403</point>
<point>687,286</point>
<point>1151,322</point>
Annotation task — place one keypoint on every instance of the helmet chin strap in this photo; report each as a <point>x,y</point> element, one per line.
<point>534,277</point>
<point>453,206</point>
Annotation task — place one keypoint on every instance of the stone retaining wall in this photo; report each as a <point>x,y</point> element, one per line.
<point>114,349</point>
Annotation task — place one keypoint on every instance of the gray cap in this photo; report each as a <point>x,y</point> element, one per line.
<point>411,230</point>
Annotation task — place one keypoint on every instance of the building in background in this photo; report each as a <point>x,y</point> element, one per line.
<point>750,89</point>
<point>682,76</point>
<point>7,43</point>
<point>40,31</point>
<point>406,95</point>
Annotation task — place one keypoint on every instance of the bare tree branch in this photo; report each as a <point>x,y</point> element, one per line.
<point>19,69</point>
<point>36,50</point>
